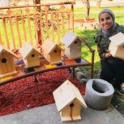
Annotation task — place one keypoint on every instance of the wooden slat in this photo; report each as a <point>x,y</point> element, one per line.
<point>0,38</point>
<point>12,33</point>
<point>29,26</point>
<point>63,27</point>
<point>69,20</point>
<point>72,9</point>
<point>58,29</point>
<point>35,27</point>
<point>23,27</point>
<point>55,22</point>
<point>46,22</point>
<point>41,27</point>
<point>52,26</point>
<point>5,31</point>
<point>18,31</point>
<point>37,5</point>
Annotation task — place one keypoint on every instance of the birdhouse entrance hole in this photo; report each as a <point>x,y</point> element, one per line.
<point>75,42</point>
<point>71,105</point>
<point>3,60</point>
<point>55,51</point>
<point>99,87</point>
<point>32,55</point>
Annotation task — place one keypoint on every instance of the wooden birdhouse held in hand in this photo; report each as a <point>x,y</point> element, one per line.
<point>69,101</point>
<point>7,65</point>
<point>51,51</point>
<point>30,55</point>
<point>116,46</point>
<point>72,45</point>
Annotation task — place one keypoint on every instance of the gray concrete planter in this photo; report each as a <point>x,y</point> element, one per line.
<point>98,94</point>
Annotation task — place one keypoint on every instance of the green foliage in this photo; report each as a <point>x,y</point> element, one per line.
<point>118,8</point>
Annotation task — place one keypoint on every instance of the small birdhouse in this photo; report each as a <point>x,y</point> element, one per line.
<point>51,51</point>
<point>69,101</point>
<point>72,45</point>
<point>30,55</point>
<point>7,65</point>
<point>116,46</point>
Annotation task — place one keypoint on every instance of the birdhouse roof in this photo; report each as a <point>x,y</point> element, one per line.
<point>66,94</point>
<point>69,38</point>
<point>4,49</point>
<point>26,49</point>
<point>118,39</point>
<point>49,45</point>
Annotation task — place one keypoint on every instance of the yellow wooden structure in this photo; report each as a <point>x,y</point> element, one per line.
<point>72,45</point>
<point>7,65</point>
<point>35,22</point>
<point>116,46</point>
<point>69,101</point>
<point>30,55</point>
<point>51,51</point>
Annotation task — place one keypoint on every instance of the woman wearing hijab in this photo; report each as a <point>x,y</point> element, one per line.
<point>111,68</point>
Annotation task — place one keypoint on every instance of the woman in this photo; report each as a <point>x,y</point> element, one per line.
<point>111,68</point>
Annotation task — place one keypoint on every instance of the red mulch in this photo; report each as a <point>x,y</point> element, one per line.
<point>26,93</point>
<point>83,21</point>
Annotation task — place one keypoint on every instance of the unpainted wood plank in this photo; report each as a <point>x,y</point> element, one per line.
<point>68,13</point>
<point>118,39</point>
<point>58,28</point>
<point>112,48</point>
<point>9,66</point>
<point>77,95</point>
<point>41,28</point>
<point>52,25</point>
<point>48,45</point>
<point>5,31</point>
<point>63,25</point>
<point>18,31</point>
<point>35,27</point>
<point>23,27</point>
<point>29,26</point>
<point>7,74</point>
<point>12,32</point>
<point>46,23</point>
<point>69,119</point>
<point>0,38</point>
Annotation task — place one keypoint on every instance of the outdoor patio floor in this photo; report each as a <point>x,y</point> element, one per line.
<point>49,115</point>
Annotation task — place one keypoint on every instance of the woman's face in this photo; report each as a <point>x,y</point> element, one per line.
<point>106,21</point>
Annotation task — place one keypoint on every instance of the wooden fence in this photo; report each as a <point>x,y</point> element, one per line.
<point>35,23</point>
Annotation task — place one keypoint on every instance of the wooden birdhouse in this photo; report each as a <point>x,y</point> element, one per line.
<point>7,65</point>
<point>30,55</point>
<point>72,45</point>
<point>116,46</point>
<point>51,51</point>
<point>69,101</point>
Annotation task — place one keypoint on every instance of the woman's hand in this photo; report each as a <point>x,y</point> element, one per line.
<point>108,54</point>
